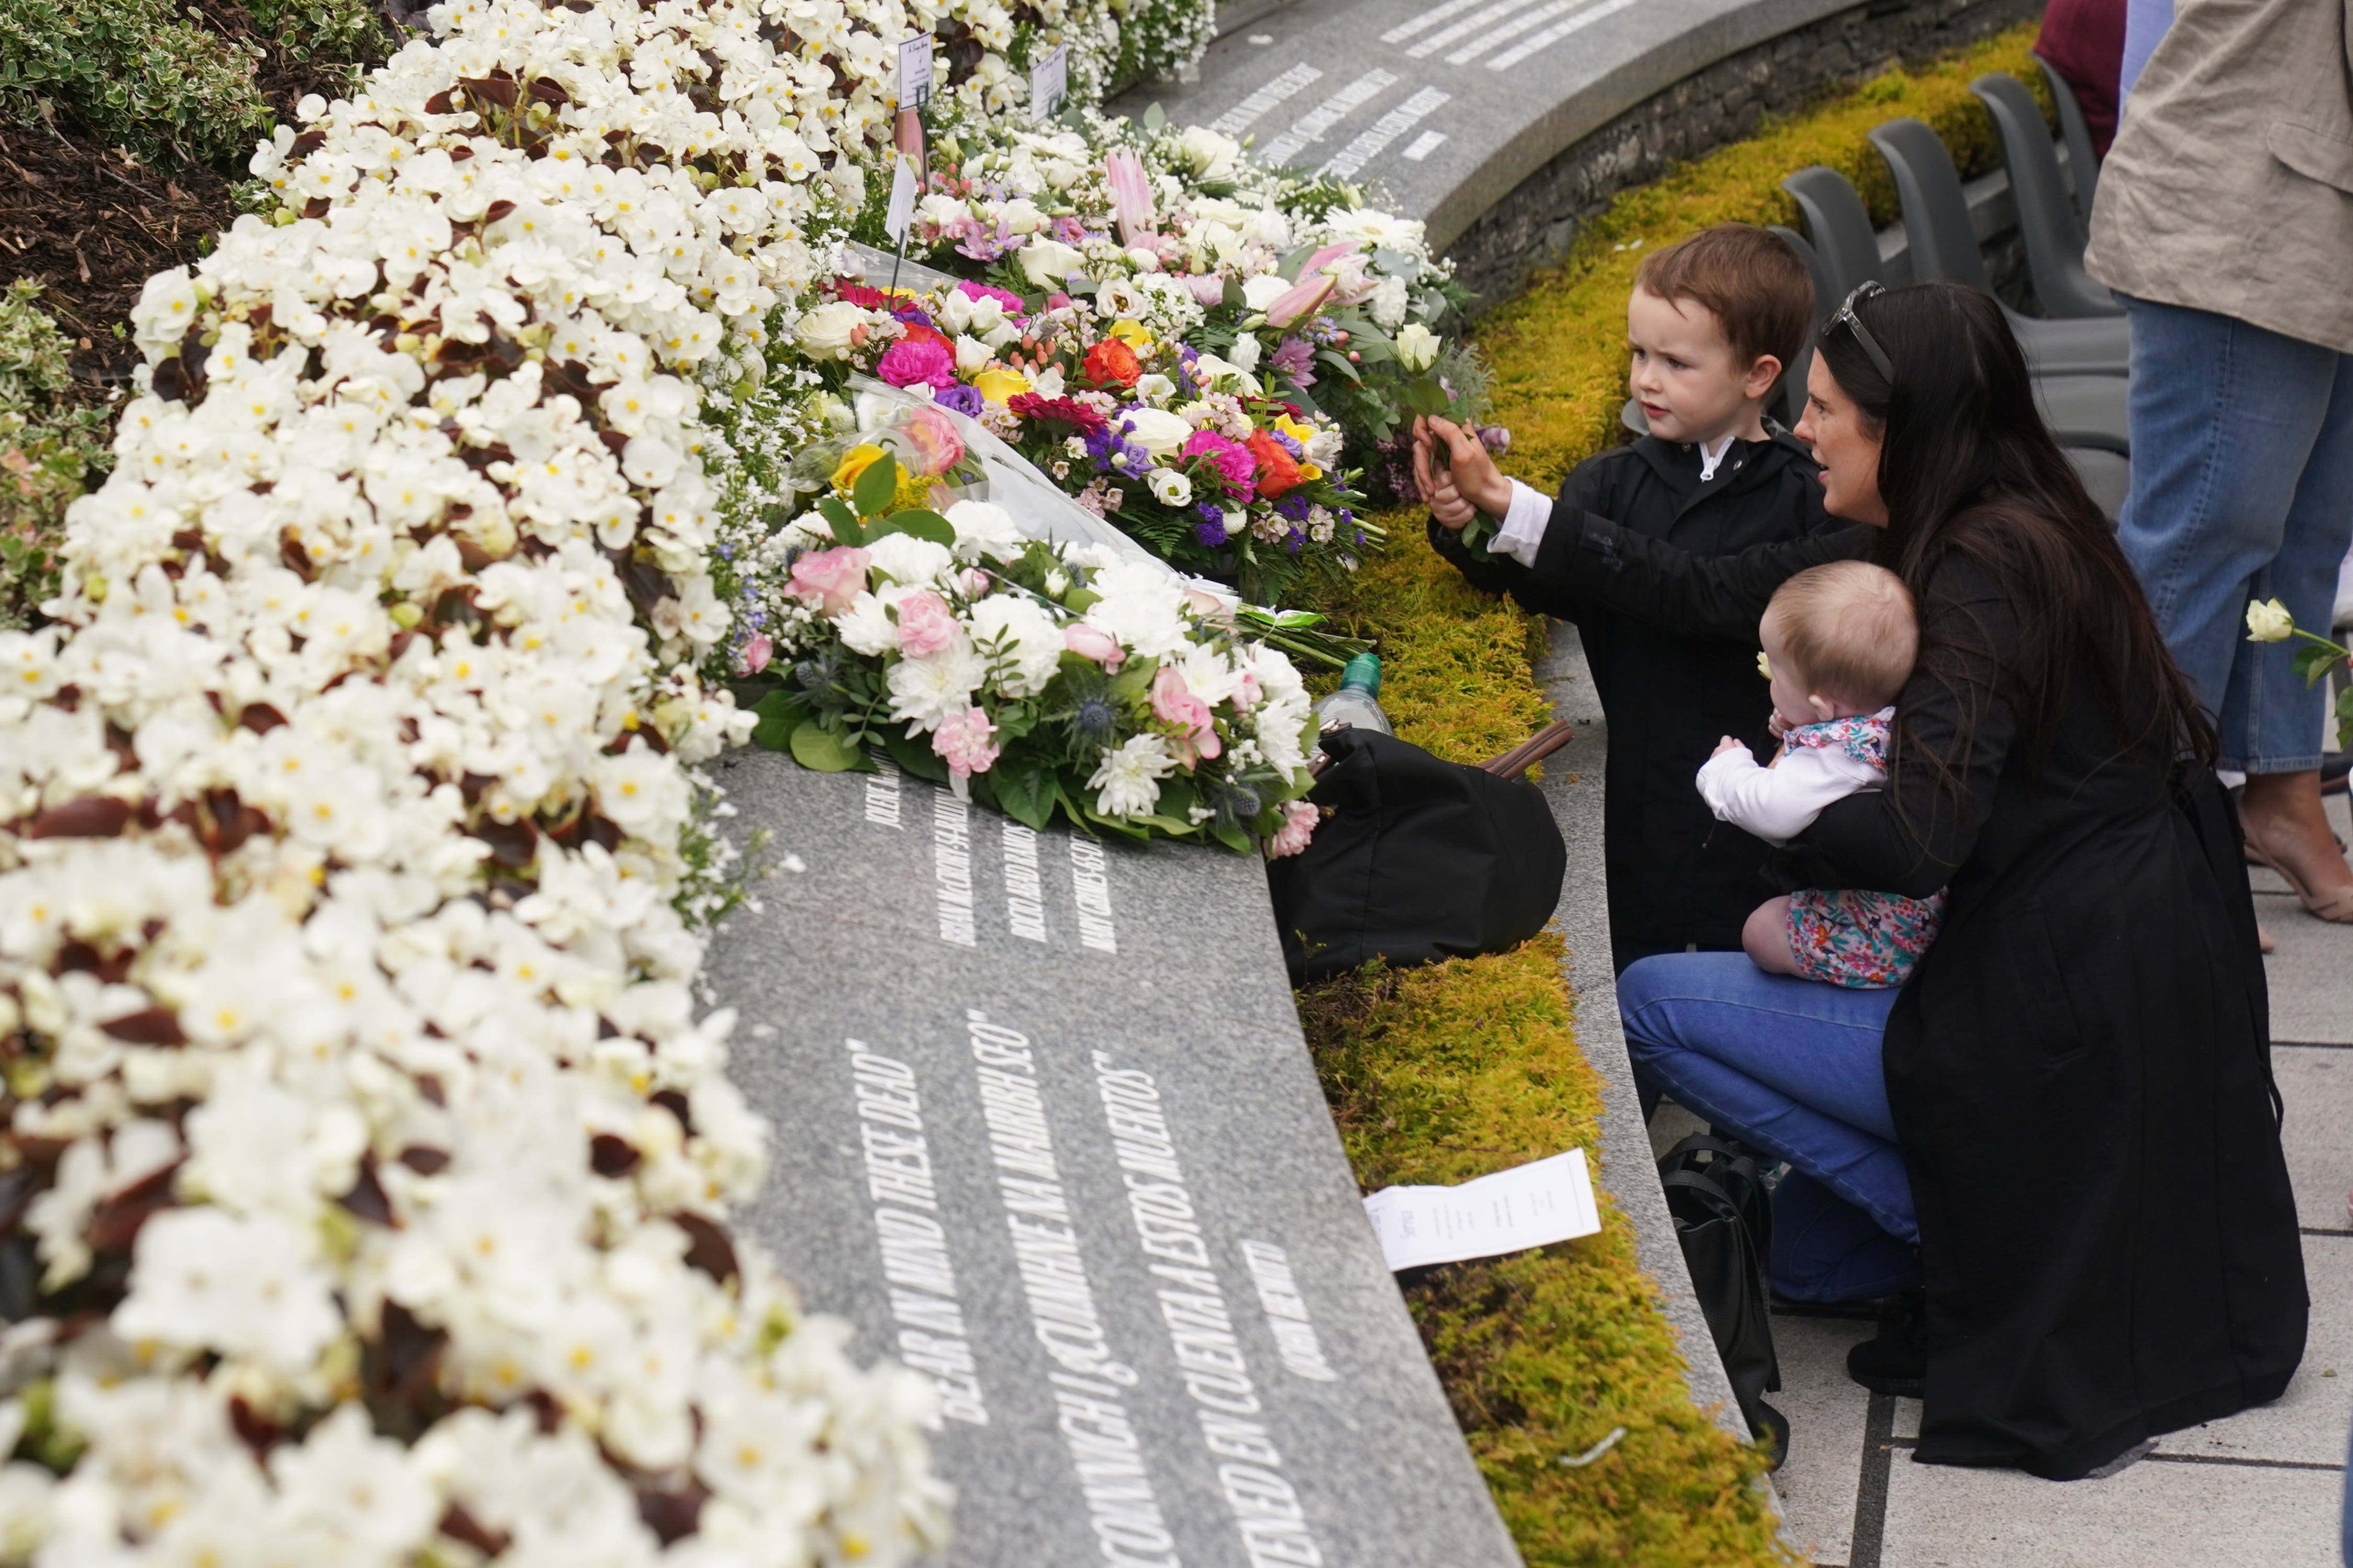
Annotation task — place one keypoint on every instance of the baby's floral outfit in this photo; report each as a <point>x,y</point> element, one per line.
<point>1846,936</point>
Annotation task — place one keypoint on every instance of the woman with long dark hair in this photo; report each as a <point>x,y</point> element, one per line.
<point>2068,1107</point>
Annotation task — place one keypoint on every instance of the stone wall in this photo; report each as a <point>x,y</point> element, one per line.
<point>1538,221</point>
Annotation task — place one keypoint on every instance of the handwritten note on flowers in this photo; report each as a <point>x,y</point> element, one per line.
<point>1533,1204</point>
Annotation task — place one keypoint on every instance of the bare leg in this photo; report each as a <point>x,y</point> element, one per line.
<point>2283,817</point>
<point>1765,938</point>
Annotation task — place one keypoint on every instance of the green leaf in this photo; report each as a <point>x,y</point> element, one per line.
<point>780,715</point>
<point>1231,835</point>
<point>1176,800</point>
<point>819,748</point>
<point>1233,300</point>
<point>1398,264</point>
<point>922,523</point>
<point>876,486</point>
<point>844,522</point>
<point>2313,660</point>
<point>1026,793</point>
<point>1154,117</point>
<point>1425,397</point>
<point>915,755</point>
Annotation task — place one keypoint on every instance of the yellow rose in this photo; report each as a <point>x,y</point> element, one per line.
<point>854,462</point>
<point>999,384</point>
<point>1132,334</point>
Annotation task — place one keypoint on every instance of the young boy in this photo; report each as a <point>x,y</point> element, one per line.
<point>1713,320</point>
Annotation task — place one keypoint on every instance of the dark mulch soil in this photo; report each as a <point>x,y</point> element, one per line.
<point>92,224</point>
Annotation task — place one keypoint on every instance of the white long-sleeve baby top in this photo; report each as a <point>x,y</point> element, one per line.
<point>1820,763</point>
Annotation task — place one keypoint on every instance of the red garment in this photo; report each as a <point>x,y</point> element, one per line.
<point>2085,42</point>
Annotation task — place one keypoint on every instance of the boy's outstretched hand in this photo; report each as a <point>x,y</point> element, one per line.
<point>1470,483</point>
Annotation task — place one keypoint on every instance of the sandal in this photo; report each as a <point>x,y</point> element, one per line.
<point>2337,906</point>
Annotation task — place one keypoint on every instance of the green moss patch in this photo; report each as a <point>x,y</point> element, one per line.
<point>1448,1073</point>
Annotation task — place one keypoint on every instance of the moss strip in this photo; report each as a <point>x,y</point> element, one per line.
<point>1447,1072</point>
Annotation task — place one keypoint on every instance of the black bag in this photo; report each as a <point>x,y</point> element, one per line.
<point>1417,858</point>
<point>1724,1218</point>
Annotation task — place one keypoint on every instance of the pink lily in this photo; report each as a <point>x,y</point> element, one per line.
<point>1131,194</point>
<point>1302,300</point>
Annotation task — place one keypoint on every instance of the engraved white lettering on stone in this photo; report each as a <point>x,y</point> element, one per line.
<point>952,868</point>
<point>1556,32</point>
<point>883,791</point>
<point>1470,27</point>
<point>915,1245</point>
<point>1201,1335</point>
<point>1091,886</point>
<point>1432,17</point>
<point>1286,1312</point>
<point>1422,146</point>
<point>1121,1510</point>
<point>1369,143</point>
<point>1238,119</point>
<point>1311,126</point>
<point>1025,895</point>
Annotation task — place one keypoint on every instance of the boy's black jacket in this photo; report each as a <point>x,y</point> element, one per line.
<point>1677,878</point>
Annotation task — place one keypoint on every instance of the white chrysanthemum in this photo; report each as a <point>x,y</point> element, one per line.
<point>928,691</point>
<point>909,561</point>
<point>1127,782</point>
<point>1022,636</point>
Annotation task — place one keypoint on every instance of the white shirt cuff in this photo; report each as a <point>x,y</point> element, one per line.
<point>1523,525</point>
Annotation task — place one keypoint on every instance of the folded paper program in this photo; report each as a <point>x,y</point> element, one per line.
<point>1533,1204</point>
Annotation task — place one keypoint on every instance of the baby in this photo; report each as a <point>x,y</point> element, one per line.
<point>1839,643</point>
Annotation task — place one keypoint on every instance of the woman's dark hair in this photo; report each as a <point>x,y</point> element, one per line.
<point>1966,464</point>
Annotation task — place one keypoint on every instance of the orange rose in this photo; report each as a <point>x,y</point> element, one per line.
<point>1278,470</point>
<point>1112,363</point>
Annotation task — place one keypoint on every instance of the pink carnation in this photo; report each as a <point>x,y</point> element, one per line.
<point>1005,297</point>
<point>925,627</point>
<point>828,580</point>
<point>963,743</point>
<point>1298,827</point>
<point>913,361</point>
<point>1101,646</point>
<point>1230,457</point>
<point>1173,702</point>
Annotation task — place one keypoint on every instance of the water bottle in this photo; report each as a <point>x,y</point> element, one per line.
<point>1354,705</point>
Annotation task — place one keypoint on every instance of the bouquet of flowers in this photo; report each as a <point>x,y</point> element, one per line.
<point>1034,677</point>
<point>1181,450</point>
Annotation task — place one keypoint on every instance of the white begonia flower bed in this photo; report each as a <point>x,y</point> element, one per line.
<point>369,1168</point>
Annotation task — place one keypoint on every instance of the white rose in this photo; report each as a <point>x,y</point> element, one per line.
<point>1245,352</point>
<point>2269,622</point>
<point>1153,388</point>
<point>1157,431</point>
<point>972,356</point>
<point>1047,261</point>
<point>1211,155</point>
<point>1170,487</point>
<point>824,332</point>
<point>1021,216</point>
<point>1143,260</point>
<point>1417,347</point>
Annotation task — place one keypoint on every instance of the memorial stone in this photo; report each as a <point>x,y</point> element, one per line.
<point>1047,1133</point>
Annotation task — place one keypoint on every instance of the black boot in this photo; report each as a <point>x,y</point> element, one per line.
<point>1896,1362</point>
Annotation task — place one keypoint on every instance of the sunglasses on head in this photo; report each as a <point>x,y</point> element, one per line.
<point>1845,317</point>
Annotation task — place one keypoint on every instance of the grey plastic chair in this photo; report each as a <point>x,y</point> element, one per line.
<point>1792,401</point>
<point>2046,216</point>
<point>2105,474</point>
<point>1845,245</point>
<point>1944,245</point>
<point>2083,163</point>
<point>2085,411</point>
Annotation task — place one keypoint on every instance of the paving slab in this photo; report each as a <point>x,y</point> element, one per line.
<point>2312,972</point>
<point>1818,1481</point>
<point>2316,1083</point>
<point>2154,1513</point>
<point>2306,1425</point>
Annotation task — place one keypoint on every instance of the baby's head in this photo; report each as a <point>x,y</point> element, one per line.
<point>1838,640</point>
<point>1713,322</point>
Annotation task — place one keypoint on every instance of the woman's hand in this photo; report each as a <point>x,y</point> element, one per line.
<point>1469,482</point>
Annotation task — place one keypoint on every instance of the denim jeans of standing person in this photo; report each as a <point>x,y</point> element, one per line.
<point>1791,1067</point>
<point>2241,487</point>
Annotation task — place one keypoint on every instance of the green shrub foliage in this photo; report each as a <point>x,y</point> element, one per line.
<point>135,72</point>
<point>50,448</point>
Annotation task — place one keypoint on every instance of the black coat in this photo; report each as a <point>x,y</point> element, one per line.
<point>2079,1069</point>
<point>1677,878</point>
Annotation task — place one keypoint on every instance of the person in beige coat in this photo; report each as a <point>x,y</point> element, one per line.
<point>2225,223</point>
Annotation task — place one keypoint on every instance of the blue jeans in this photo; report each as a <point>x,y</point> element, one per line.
<point>2241,487</point>
<point>1791,1067</point>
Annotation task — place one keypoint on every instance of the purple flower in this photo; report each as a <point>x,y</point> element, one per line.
<point>1293,540</point>
<point>982,244</point>
<point>1292,357</point>
<point>964,400</point>
<point>1289,444</point>
<point>909,312</point>
<point>1293,505</point>
<point>1211,533</point>
<point>1495,438</point>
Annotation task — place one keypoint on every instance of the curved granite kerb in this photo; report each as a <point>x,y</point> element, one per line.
<point>1469,113</point>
